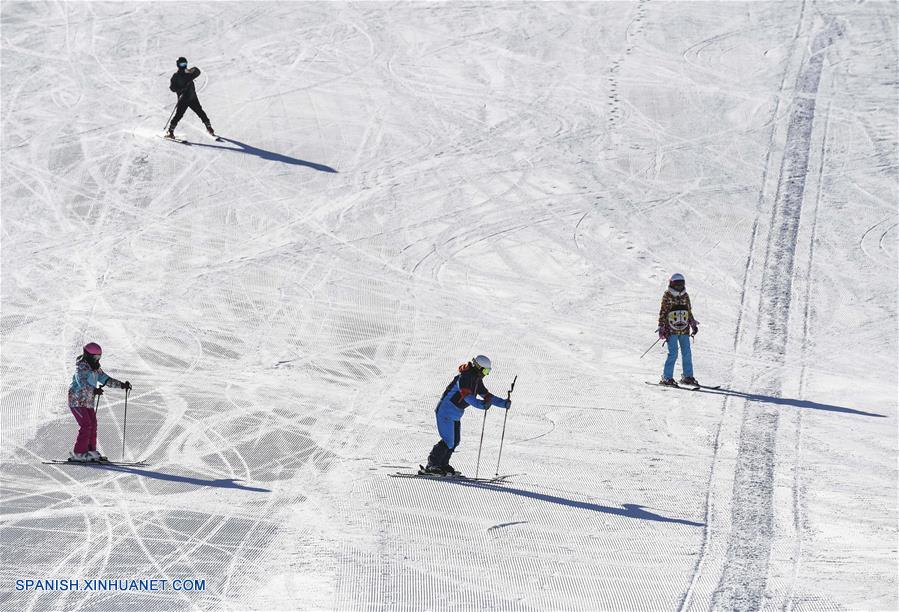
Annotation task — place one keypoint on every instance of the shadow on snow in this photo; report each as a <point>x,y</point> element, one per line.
<point>222,483</point>
<point>784,401</point>
<point>633,511</point>
<point>278,157</point>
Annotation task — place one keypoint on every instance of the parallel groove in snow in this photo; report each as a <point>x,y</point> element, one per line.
<point>742,583</point>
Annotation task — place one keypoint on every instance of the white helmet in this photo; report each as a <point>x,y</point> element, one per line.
<point>482,362</point>
<point>677,284</point>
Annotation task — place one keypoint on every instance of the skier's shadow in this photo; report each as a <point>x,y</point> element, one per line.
<point>785,401</point>
<point>633,511</point>
<point>222,483</point>
<point>271,155</point>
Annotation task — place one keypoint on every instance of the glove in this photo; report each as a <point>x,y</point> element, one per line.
<point>488,401</point>
<point>192,69</point>
<point>663,332</point>
<point>126,385</point>
<point>98,391</point>
<point>694,327</point>
<point>509,404</point>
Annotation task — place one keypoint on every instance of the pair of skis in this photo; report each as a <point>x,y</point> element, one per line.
<point>683,387</point>
<point>71,462</point>
<point>422,473</point>
<point>185,141</point>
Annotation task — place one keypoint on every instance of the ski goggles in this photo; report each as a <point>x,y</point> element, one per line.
<point>483,371</point>
<point>182,64</point>
<point>679,285</point>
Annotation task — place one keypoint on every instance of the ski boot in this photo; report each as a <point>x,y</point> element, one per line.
<point>170,134</point>
<point>210,130</point>
<point>433,470</point>
<point>689,381</point>
<point>96,456</point>
<point>80,457</point>
<point>668,382</point>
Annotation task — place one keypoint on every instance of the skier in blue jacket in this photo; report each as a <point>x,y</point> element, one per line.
<point>462,392</point>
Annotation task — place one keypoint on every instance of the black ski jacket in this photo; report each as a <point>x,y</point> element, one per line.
<point>183,84</point>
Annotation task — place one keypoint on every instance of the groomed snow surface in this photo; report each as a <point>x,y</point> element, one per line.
<point>402,186</point>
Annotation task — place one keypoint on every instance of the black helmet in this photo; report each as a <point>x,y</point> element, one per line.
<point>181,62</point>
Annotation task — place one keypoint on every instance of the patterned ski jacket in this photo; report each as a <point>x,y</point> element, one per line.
<point>676,314</point>
<point>464,390</point>
<point>85,380</point>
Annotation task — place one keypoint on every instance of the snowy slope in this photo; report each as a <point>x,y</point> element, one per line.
<point>400,187</point>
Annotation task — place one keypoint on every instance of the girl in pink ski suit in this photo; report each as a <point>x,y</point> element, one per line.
<point>82,392</point>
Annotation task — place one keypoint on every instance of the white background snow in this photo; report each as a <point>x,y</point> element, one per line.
<point>402,186</point>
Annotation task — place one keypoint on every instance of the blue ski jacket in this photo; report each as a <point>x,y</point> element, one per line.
<point>85,380</point>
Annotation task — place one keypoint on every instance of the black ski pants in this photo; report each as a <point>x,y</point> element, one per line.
<point>193,104</point>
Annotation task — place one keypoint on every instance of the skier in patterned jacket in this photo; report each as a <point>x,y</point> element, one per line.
<point>677,326</point>
<point>463,391</point>
<point>82,392</point>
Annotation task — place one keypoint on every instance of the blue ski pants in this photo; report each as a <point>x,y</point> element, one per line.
<point>449,426</point>
<point>675,340</point>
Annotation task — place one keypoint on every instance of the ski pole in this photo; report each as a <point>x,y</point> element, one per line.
<point>125,423</point>
<point>172,114</point>
<point>506,416</point>
<point>478,466</point>
<point>650,348</point>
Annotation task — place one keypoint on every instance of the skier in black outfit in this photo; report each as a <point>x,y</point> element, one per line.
<point>183,84</point>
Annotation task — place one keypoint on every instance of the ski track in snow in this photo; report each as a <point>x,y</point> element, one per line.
<point>396,189</point>
<point>743,581</point>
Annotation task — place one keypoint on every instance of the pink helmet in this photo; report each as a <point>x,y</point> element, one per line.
<point>92,348</point>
